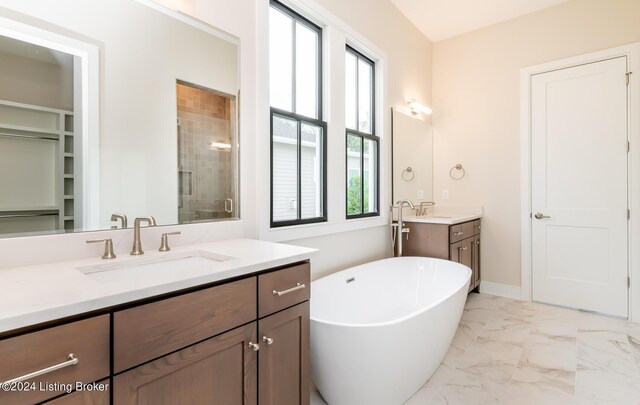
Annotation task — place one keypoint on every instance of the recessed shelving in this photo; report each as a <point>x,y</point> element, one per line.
<point>32,123</point>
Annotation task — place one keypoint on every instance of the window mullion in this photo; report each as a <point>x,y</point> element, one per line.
<point>361,175</point>
<point>357,128</point>
<point>299,174</point>
<point>293,66</point>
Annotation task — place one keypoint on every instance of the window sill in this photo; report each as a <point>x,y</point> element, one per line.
<point>305,231</point>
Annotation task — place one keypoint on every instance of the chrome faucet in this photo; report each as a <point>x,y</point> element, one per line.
<point>137,245</point>
<point>400,229</point>
<point>122,218</point>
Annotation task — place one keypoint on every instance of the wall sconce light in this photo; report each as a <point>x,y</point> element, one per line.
<point>419,108</point>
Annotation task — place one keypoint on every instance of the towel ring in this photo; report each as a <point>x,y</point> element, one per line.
<point>459,168</point>
<point>408,172</point>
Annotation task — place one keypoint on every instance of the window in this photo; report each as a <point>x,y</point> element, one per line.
<point>362,145</point>
<point>298,134</point>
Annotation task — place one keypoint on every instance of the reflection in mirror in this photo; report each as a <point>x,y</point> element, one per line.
<point>412,159</point>
<point>38,175</point>
<point>137,118</point>
<point>206,157</point>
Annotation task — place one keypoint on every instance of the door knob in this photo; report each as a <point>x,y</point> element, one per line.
<point>540,215</point>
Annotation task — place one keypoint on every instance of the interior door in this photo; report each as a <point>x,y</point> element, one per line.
<point>579,187</point>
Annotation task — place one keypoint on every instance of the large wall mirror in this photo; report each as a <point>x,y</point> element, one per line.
<point>412,158</point>
<point>110,108</point>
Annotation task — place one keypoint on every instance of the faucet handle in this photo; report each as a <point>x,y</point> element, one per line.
<point>164,241</point>
<point>108,247</point>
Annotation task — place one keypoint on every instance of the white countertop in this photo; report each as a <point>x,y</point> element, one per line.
<point>445,219</point>
<point>36,294</point>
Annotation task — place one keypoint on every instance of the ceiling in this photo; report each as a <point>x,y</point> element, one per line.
<point>442,19</point>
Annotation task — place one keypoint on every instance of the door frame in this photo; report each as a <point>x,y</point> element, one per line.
<point>632,52</point>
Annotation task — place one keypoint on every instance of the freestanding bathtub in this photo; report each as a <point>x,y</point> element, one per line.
<point>380,330</point>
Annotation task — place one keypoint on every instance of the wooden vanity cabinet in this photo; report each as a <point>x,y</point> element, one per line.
<point>459,243</point>
<point>241,342</point>
<point>258,330</point>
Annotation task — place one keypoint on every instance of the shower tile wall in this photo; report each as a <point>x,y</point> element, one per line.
<point>205,171</point>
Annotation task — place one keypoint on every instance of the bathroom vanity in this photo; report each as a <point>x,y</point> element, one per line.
<point>236,335</point>
<point>447,236</point>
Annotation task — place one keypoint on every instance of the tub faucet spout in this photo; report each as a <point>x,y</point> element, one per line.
<point>400,229</point>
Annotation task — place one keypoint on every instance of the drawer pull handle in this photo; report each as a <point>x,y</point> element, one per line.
<point>254,346</point>
<point>267,340</point>
<point>292,289</point>
<point>458,233</point>
<point>71,361</point>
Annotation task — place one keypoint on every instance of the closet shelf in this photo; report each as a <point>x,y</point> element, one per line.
<point>28,212</point>
<point>34,107</point>
<point>30,130</point>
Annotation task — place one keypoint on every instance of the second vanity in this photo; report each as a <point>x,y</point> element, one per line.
<point>444,235</point>
<point>233,327</point>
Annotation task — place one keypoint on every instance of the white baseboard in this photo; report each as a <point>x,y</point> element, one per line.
<point>501,290</point>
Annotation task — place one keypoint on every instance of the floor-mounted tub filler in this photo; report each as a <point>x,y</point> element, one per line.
<point>380,330</point>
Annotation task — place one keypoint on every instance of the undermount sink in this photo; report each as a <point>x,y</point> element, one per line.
<point>160,268</point>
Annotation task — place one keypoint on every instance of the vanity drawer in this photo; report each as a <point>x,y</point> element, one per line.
<point>477,226</point>
<point>283,288</point>
<point>88,340</point>
<point>460,231</point>
<point>149,331</point>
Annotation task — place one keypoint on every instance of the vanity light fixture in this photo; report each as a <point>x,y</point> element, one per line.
<point>419,108</point>
<point>220,145</point>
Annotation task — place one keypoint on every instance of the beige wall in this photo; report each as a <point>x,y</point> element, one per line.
<point>409,51</point>
<point>476,102</point>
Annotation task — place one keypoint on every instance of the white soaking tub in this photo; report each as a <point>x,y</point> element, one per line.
<point>380,330</point>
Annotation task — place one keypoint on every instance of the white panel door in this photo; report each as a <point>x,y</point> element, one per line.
<point>579,187</point>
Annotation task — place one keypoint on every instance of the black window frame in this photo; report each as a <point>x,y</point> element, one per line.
<point>363,135</point>
<point>297,18</point>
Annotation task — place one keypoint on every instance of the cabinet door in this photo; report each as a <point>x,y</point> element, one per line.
<point>221,370</point>
<point>461,252</point>
<point>284,357</point>
<point>475,260</point>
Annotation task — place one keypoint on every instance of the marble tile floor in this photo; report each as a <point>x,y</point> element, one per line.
<point>515,352</point>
